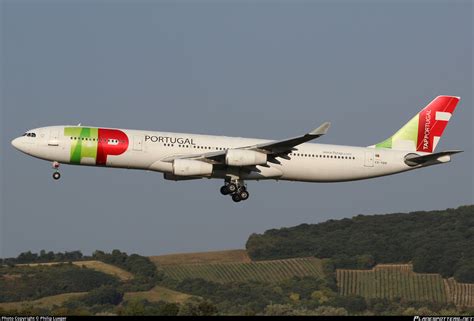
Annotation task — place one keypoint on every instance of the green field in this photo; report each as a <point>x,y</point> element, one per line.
<point>265,271</point>
<point>392,281</point>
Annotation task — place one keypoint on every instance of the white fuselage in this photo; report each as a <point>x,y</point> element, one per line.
<point>146,150</point>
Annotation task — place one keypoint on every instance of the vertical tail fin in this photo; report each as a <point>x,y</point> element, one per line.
<point>423,132</point>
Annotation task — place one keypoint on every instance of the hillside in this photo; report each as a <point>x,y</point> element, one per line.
<point>22,283</point>
<point>157,294</point>
<point>47,302</point>
<point>229,256</point>
<point>264,271</point>
<point>94,265</point>
<point>364,265</point>
<point>392,281</point>
<point>434,241</point>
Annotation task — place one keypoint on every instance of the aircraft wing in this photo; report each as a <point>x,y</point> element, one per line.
<point>287,145</point>
<point>430,159</point>
<point>274,148</point>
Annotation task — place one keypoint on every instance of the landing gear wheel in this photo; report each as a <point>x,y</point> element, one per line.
<point>56,175</point>
<point>244,195</point>
<point>236,198</point>
<point>232,188</point>
<point>225,190</point>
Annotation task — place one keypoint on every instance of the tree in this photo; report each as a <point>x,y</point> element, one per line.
<point>197,307</point>
<point>435,241</point>
<point>328,311</point>
<point>278,310</point>
<point>465,273</point>
<point>320,297</point>
<point>103,295</point>
<point>168,309</point>
<point>350,303</point>
<point>133,307</point>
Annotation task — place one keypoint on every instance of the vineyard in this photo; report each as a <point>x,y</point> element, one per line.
<point>265,271</point>
<point>461,294</point>
<point>399,281</point>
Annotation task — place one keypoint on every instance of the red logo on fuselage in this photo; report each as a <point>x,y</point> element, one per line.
<point>111,142</point>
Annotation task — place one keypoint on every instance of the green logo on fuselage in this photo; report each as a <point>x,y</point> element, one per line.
<point>84,143</point>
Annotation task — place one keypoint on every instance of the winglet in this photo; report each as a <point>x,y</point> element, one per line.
<point>321,130</point>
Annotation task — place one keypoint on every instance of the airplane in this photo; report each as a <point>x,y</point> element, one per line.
<point>182,156</point>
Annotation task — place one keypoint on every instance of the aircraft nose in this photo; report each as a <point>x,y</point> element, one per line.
<point>16,143</point>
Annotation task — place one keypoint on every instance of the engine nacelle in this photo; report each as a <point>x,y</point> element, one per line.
<point>242,157</point>
<point>189,167</point>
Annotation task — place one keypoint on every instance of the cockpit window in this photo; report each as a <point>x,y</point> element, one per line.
<point>29,134</point>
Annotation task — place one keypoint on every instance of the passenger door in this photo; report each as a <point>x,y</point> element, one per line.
<point>53,137</point>
<point>369,159</point>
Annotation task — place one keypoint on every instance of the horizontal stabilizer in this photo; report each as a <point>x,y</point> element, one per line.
<point>413,159</point>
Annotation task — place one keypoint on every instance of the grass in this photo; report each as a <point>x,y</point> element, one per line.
<point>159,293</point>
<point>46,302</point>
<point>106,268</point>
<point>230,256</point>
<point>94,265</point>
<point>265,271</point>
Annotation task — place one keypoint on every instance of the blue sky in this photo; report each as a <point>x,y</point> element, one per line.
<point>266,69</point>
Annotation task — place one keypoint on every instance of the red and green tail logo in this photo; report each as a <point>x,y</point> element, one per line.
<point>94,145</point>
<point>423,132</point>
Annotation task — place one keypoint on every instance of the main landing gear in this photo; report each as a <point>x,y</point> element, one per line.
<point>56,174</point>
<point>236,189</point>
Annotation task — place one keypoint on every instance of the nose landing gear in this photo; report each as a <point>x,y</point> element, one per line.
<point>236,189</point>
<point>56,174</point>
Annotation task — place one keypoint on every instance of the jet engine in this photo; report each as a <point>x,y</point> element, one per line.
<point>189,167</point>
<point>242,157</point>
